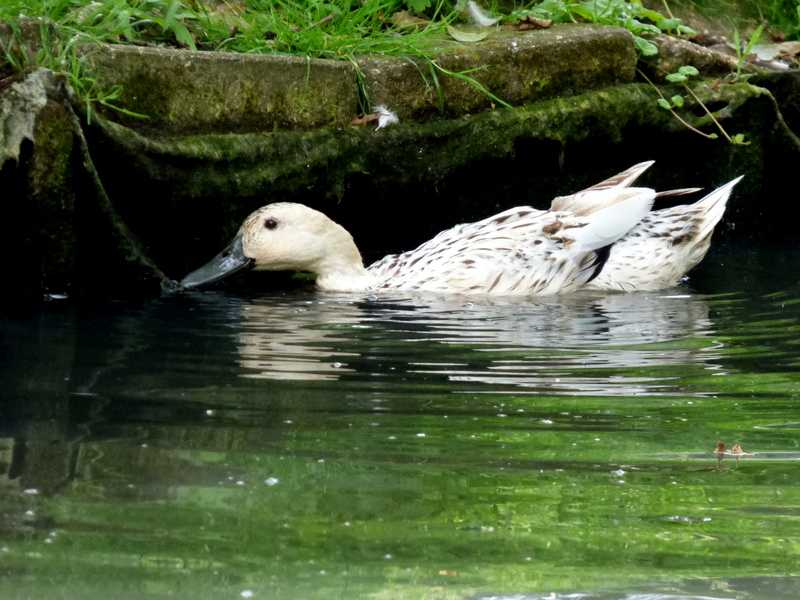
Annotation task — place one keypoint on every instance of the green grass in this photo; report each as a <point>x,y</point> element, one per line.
<point>320,29</point>
<point>339,30</point>
<point>343,28</point>
<point>779,19</point>
<point>335,29</point>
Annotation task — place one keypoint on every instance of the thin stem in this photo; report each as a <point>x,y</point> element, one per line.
<point>708,112</point>
<point>676,115</point>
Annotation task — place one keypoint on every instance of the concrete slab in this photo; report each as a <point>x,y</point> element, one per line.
<point>186,92</point>
<point>517,67</point>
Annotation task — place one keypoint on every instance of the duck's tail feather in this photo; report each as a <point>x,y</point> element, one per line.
<point>619,181</point>
<point>624,179</point>
<point>680,192</point>
<point>664,247</point>
<point>713,207</point>
<point>602,255</point>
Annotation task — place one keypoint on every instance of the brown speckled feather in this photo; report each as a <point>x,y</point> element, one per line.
<point>510,253</point>
<point>664,246</point>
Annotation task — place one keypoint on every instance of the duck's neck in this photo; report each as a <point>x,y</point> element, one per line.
<point>342,268</point>
<point>343,282</point>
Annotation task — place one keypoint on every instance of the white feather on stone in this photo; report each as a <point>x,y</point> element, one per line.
<point>385,117</point>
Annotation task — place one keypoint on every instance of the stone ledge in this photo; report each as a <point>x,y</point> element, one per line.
<point>520,67</point>
<point>216,92</point>
<point>186,92</point>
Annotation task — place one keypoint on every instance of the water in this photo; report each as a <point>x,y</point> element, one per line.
<point>297,445</point>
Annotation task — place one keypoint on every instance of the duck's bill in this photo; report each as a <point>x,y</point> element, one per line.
<point>231,260</point>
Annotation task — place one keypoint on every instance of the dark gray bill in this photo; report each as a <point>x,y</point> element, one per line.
<point>231,260</point>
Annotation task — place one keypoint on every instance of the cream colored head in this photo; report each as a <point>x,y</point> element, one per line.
<point>286,236</point>
<point>289,237</point>
<point>292,237</point>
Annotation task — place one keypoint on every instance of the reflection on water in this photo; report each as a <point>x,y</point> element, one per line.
<point>544,346</point>
<point>306,445</point>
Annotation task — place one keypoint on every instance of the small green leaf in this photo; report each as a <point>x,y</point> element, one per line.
<point>418,5</point>
<point>688,71</point>
<point>753,39</point>
<point>582,11</point>
<point>647,48</point>
<point>172,10</point>
<point>653,15</point>
<point>182,35</point>
<point>637,26</point>
<point>668,24</point>
<point>677,100</point>
<point>738,138</point>
<point>676,77</point>
<point>713,136</point>
<point>663,104</point>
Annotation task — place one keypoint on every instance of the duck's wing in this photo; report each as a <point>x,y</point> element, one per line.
<point>460,259</point>
<point>521,251</point>
<point>581,202</point>
<point>623,179</point>
<point>500,262</point>
<point>577,202</point>
<point>664,246</point>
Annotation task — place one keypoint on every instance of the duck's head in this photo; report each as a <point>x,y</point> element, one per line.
<point>284,237</point>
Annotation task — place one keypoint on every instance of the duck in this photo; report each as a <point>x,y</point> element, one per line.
<point>606,237</point>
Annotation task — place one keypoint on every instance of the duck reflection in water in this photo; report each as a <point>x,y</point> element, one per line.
<point>564,343</point>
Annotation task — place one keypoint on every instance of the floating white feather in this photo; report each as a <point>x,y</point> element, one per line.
<point>385,117</point>
<point>478,15</point>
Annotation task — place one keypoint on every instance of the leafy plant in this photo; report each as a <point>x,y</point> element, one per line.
<point>682,76</point>
<point>631,15</point>
<point>743,53</point>
<point>780,19</point>
<point>418,5</point>
<point>61,57</point>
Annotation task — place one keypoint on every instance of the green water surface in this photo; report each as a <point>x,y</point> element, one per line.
<point>296,445</point>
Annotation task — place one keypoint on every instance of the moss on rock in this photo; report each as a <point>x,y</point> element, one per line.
<point>516,67</point>
<point>184,92</point>
<point>52,198</point>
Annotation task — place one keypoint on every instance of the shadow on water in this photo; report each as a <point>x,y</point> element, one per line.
<point>306,445</point>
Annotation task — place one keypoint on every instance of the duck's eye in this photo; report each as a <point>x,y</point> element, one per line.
<point>270,223</point>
